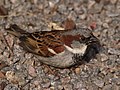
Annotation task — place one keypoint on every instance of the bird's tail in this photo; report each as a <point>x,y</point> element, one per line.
<point>15,30</point>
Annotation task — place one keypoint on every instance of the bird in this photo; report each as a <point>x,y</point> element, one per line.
<point>59,48</point>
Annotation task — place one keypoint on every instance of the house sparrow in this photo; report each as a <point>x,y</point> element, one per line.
<point>57,48</point>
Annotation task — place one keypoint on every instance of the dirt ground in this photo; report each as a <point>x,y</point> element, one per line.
<point>20,70</point>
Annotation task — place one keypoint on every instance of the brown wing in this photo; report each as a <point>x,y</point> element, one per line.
<point>43,43</point>
<point>49,43</point>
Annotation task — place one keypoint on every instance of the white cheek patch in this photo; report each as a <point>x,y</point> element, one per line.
<point>80,50</point>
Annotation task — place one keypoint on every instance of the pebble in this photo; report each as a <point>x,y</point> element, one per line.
<point>105,25</point>
<point>13,1</point>
<point>11,87</point>
<point>28,55</point>
<point>62,8</point>
<point>77,70</point>
<point>32,71</point>
<point>6,54</point>
<point>15,77</point>
<point>107,87</point>
<point>113,51</point>
<point>83,16</point>
<point>113,14</point>
<point>46,85</point>
<point>79,85</point>
<point>99,83</point>
<point>104,57</point>
<point>90,4</point>
<point>113,1</point>
<point>68,87</point>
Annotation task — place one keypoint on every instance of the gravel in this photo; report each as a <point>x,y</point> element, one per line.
<point>101,73</point>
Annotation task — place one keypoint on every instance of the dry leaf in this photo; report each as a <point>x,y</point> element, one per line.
<point>69,24</point>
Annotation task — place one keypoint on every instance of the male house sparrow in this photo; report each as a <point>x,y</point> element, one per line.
<point>57,48</point>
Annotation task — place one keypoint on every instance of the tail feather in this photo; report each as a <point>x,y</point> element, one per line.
<point>15,30</point>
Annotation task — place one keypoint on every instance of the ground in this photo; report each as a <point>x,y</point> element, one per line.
<point>20,70</point>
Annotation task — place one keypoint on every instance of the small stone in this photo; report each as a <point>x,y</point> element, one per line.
<point>60,87</point>
<point>113,1</point>
<point>107,87</point>
<point>96,34</point>
<point>90,4</point>
<point>112,14</point>
<point>52,83</point>
<point>18,67</point>
<point>83,16</point>
<point>104,57</point>
<point>99,83</point>
<point>13,1</point>
<point>36,82</point>
<point>6,54</point>
<point>51,4</point>
<point>77,70</point>
<point>3,85</point>
<point>15,77</point>
<point>46,70</point>
<point>28,55</point>
<point>68,87</point>
<point>34,1</point>
<point>79,85</point>
<point>108,20</point>
<point>46,85</point>
<point>9,39</point>
<point>62,8</point>
<point>105,25</point>
<point>31,71</point>
<point>52,88</point>
<point>113,51</point>
<point>11,87</point>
